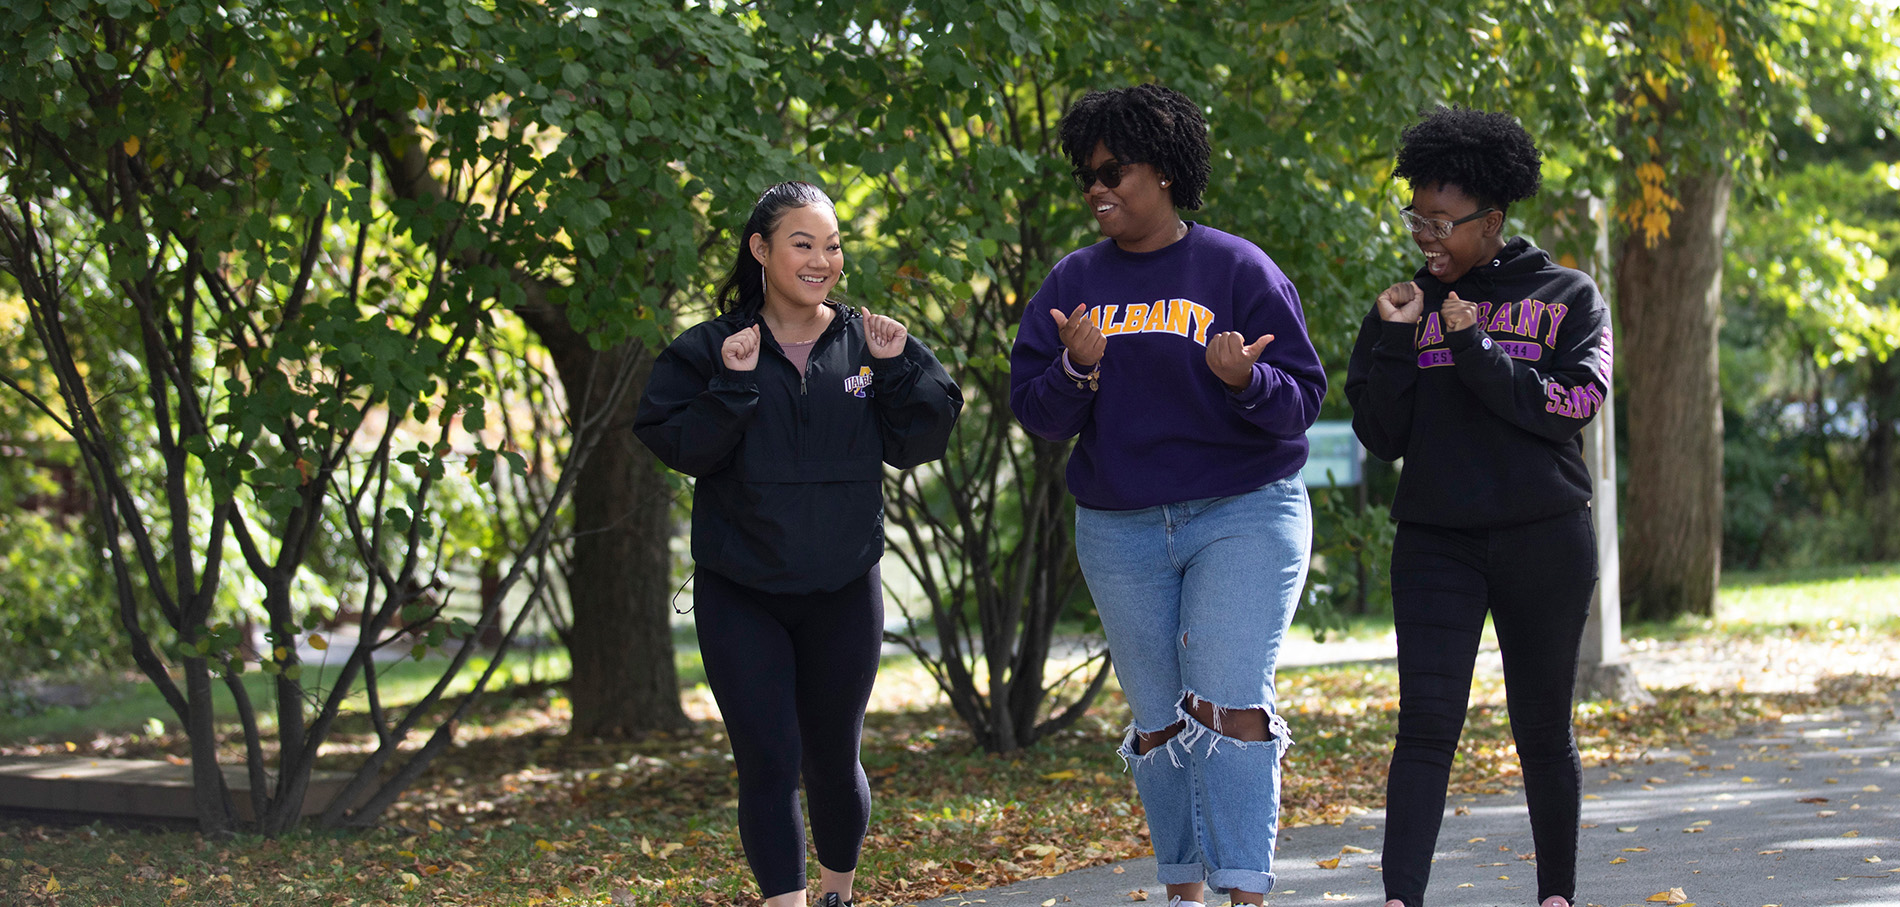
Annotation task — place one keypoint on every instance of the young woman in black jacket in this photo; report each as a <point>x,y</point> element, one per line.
<point>1481,372</point>
<point>785,408</point>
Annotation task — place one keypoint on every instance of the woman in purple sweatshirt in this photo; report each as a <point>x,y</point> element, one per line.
<point>1177,357</point>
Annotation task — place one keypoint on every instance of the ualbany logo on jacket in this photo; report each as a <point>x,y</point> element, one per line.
<point>859,385</point>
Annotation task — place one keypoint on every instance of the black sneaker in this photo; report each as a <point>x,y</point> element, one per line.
<point>831,899</point>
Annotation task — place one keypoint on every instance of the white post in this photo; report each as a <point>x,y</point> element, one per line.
<point>1601,671</point>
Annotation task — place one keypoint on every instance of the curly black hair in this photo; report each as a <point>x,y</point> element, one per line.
<point>1145,124</point>
<point>1488,155</point>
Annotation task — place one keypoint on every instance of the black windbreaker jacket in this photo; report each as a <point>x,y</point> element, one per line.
<point>790,466</point>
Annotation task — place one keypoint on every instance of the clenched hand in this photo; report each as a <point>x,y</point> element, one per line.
<point>883,334</point>
<point>740,352</point>
<point>1232,357</point>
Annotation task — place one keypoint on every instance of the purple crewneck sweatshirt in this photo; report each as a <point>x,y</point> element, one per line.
<point>1163,427</point>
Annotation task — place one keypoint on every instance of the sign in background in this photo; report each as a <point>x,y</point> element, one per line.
<point>1332,446</point>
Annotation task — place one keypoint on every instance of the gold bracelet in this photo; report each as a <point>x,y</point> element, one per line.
<point>1081,380</point>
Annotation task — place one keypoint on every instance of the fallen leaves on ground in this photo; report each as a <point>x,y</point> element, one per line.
<point>517,813</point>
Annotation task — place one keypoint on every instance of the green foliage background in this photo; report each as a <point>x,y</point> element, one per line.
<point>604,155</point>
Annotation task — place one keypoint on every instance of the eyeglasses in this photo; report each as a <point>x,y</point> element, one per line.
<point>1434,227</point>
<point>1109,175</point>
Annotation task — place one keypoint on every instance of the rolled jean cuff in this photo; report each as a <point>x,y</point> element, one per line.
<point>1241,880</point>
<point>1180,873</point>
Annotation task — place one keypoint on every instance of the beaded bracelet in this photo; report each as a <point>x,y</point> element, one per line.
<point>1081,380</point>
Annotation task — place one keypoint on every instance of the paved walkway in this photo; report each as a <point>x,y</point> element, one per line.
<point>1804,813</point>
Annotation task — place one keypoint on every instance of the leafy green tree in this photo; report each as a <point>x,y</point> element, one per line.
<point>50,572</point>
<point>629,128</point>
<point>298,352</point>
<point>1694,96</point>
<point>1809,376</point>
<point>1811,333</point>
<point>1679,86</point>
<point>936,121</point>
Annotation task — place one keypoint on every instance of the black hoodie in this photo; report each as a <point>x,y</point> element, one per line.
<point>1487,418</point>
<point>790,465</point>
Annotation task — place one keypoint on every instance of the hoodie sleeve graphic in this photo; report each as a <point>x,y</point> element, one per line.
<point>1550,385</point>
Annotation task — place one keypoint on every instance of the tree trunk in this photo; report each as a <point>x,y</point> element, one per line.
<point>1669,298</point>
<point>1883,414</point>
<point>1045,588</point>
<point>210,797</point>
<point>619,578</point>
<point>621,645</point>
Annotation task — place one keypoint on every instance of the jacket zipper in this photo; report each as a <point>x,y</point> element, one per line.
<point>804,390</point>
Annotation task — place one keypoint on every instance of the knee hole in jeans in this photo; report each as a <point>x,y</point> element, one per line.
<point>1149,741</point>
<point>1240,724</point>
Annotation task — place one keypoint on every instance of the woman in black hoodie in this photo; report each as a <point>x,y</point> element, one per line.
<point>1481,372</point>
<point>786,408</point>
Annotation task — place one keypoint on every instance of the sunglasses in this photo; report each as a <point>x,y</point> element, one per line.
<point>1109,175</point>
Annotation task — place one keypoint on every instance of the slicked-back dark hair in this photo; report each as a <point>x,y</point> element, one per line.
<point>1488,155</point>
<point>743,290</point>
<point>1144,124</point>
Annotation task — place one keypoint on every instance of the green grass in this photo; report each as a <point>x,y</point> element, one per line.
<point>1355,627</point>
<point>1751,604</point>
<point>1809,601</point>
<point>1866,596</point>
<point>134,705</point>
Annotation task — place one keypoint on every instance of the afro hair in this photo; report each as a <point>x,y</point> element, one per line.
<point>1143,124</point>
<point>1488,155</point>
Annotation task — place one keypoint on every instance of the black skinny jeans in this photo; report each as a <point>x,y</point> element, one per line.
<point>792,675</point>
<point>1535,580</point>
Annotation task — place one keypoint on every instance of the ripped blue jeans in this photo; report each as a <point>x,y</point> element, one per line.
<point>1196,598</point>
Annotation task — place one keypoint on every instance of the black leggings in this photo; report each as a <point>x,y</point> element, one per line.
<point>1535,580</point>
<point>792,675</point>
